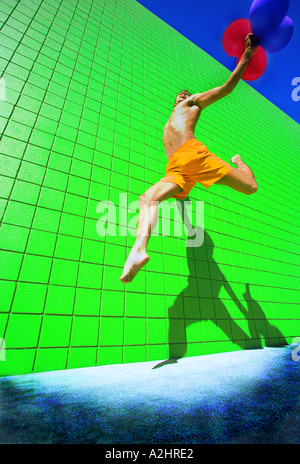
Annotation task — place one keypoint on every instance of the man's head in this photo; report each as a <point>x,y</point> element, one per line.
<point>182,96</point>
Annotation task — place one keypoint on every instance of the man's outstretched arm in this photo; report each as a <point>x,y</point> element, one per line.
<point>211,96</point>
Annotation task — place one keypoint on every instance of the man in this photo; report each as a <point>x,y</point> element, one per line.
<point>189,162</point>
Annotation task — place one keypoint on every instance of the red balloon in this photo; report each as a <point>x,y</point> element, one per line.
<point>256,65</point>
<point>234,37</point>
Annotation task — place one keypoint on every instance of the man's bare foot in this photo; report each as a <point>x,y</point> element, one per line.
<point>133,264</point>
<point>235,159</point>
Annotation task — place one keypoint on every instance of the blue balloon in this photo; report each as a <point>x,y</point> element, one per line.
<point>265,15</point>
<point>278,37</point>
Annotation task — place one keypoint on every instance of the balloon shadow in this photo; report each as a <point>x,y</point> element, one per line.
<point>259,326</point>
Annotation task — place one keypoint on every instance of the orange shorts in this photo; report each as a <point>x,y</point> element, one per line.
<point>193,163</point>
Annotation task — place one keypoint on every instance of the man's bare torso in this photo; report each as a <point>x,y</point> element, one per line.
<point>181,125</point>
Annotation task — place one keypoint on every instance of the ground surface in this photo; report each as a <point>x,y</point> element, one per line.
<point>238,397</point>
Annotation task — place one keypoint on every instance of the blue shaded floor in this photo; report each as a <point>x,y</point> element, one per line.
<point>238,397</point>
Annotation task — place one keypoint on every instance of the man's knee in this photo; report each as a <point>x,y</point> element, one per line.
<point>251,188</point>
<point>143,199</point>
<point>146,198</point>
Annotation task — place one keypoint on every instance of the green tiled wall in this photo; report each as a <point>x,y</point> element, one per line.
<point>89,85</point>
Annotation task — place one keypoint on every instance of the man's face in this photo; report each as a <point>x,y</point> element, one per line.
<point>180,97</point>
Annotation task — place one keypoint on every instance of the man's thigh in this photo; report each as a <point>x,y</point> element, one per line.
<point>237,181</point>
<point>162,191</point>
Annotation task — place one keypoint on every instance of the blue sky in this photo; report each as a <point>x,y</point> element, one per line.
<point>203,22</point>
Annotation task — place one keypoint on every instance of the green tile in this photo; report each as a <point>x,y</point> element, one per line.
<point>85,331</point>
<point>84,153</point>
<point>92,251</point>
<point>25,191</point>
<point>87,302</point>
<point>75,204</point>
<point>114,254</point>
<point>41,243</point>
<point>64,272</point>
<point>111,278</point>
<point>81,169</point>
<point>157,352</point>
<point>23,331</point>
<point>9,145</point>
<point>20,131</point>
<point>63,146</point>
<point>3,204</point>
<point>41,139</point>
<point>112,303</point>
<point>111,331</point>
<point>24,116</point>
<point>98,191</point>
<point>135,304</point>
<point>14,82</point>
<point>71,224</point>
<point>68,247</point>
<point>134,354</point>
<point>29,298</point>
<point>51,198</point>
<point>31,172</point>
<point>19,214</point>
<point>6,107</point>
<point>156,305</point>
<point>90,229</point>
<point>10,264</point>
<point>90,275</point>
<point>35,269</point>
<point>110,355</point>
<point>102,175</point>
<point>50,111</point>
<point>6,184</point>
<point>60,162</point>
<point>135,331</point>
<point>9,166</point>
<point>67,132</point>
<point>18,362</point>
<point>78,185</point>
<point>3,124</point>
<point>13,238</point>
<point>46,219</point>
<point>7,289</point>
<point>45,124</point>
<point>60,300</point>
<point>156,331</point>
<point>50,359</point>
<point>81,357</point>
<point>55,331</point>
<point>36,155</point>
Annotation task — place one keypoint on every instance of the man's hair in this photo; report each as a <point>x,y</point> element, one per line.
<point>185,91</point>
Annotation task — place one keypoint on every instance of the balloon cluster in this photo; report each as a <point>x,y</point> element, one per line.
<point>269,23</point>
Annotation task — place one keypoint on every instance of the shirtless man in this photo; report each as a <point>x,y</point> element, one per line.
<point>189,162</point>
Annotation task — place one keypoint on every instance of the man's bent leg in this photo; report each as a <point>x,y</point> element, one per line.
<point>148,203</point>
<point>240,178</point>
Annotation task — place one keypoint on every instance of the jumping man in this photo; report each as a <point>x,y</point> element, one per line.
<point>189,162</point>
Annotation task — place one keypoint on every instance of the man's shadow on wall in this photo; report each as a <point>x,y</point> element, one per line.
<point>262,333</point>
